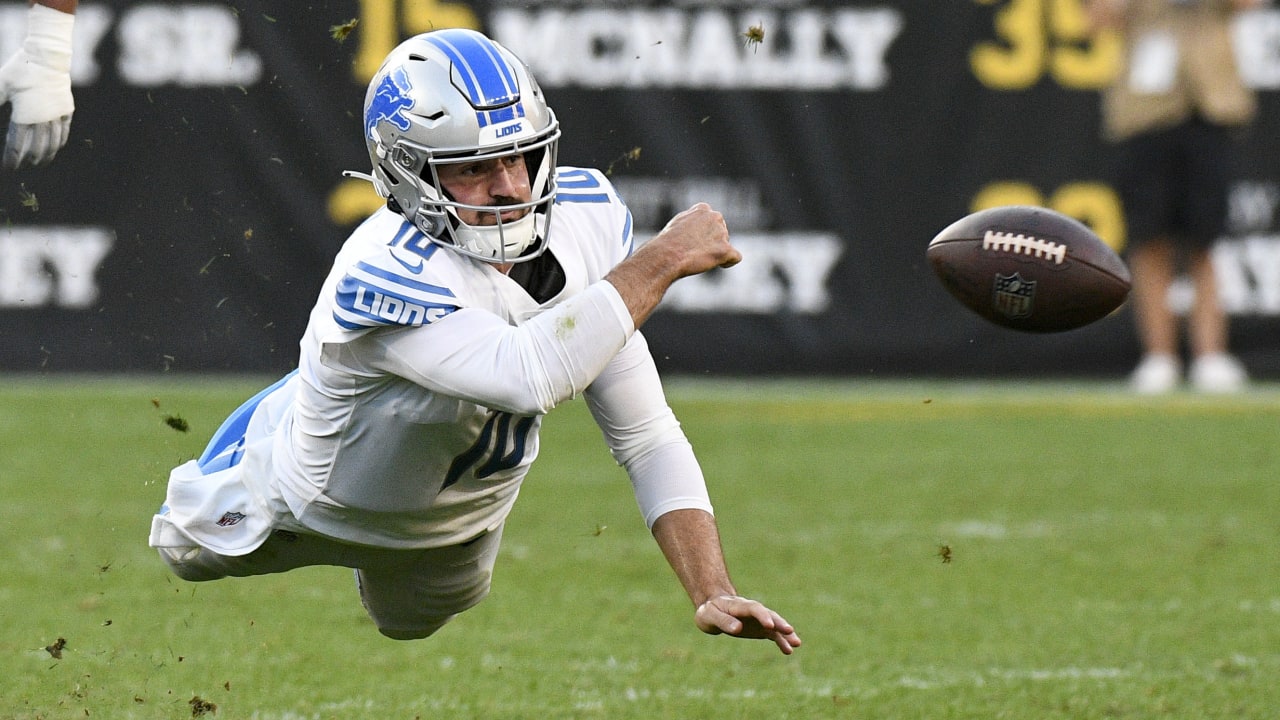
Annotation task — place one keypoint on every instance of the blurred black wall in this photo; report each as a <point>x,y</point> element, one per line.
<point>189,222</point>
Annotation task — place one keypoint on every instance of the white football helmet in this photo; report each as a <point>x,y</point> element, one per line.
<point>451,96</point>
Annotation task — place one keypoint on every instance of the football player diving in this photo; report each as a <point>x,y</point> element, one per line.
<point>492,286</point>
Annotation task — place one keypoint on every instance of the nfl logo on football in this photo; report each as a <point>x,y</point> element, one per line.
<point>1013,296</point>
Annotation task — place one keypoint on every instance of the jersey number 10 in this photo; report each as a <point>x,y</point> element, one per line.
<point>499,447</point>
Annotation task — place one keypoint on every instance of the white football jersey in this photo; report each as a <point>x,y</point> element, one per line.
<point>422,380</point>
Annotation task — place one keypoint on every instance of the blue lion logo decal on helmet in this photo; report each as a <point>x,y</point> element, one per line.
<point>389,102</point>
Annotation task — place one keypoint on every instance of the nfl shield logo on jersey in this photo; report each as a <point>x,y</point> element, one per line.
<point>230,518</point>
<point>1013,296</point>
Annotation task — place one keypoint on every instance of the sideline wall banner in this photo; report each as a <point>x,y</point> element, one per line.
<point>198,205</point>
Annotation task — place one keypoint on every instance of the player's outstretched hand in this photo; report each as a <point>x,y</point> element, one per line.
<point>745,618</point>
<point>37,81</point>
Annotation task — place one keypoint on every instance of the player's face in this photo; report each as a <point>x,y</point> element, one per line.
<point>496,181</point>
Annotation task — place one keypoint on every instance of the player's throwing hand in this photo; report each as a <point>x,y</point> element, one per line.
<point>37,81</point>
<point>700,239</point>
<point>693,242</point>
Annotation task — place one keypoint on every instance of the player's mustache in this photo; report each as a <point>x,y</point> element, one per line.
<point>494,210</point>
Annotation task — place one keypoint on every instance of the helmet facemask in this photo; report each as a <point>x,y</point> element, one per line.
<point>501,241</point>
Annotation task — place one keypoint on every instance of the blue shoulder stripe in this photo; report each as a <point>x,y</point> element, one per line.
<point>359,304</point>
<point>408,283</point>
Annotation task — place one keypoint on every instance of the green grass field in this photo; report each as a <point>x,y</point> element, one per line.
<point>1109,557</point>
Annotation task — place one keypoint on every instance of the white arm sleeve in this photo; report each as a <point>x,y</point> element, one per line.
<point>526,369</point>
<point>644,436</point>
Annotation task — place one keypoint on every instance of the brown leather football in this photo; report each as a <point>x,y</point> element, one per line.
<point>1029,268</point>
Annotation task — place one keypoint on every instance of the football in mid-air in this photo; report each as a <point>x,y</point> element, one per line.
<point>1029,268</point>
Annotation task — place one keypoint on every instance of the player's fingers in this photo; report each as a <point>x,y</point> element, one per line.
<point>713,619</point>
<point>36,144</point>
<point>54,136</point>
<point>769,625</point>
<point>740,616</point>
<point>784,642</point>
<point>42,149</point>
<point>15,142</point>
<point>62,133</point>
<point>702,219</point>
<point>784,635</point>
<point>733,257</point>
<point>698,208</point>
<point>757,617</point>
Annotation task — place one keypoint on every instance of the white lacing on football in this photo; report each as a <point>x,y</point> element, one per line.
<point>1024,245</point>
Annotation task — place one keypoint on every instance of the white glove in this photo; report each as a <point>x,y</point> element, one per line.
<point>37,80</point>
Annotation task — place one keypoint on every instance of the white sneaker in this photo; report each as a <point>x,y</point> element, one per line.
<point>1218,373</point>
<point>1156,374</point>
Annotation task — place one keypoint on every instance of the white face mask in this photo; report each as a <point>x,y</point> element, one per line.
<point>503,242</point>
